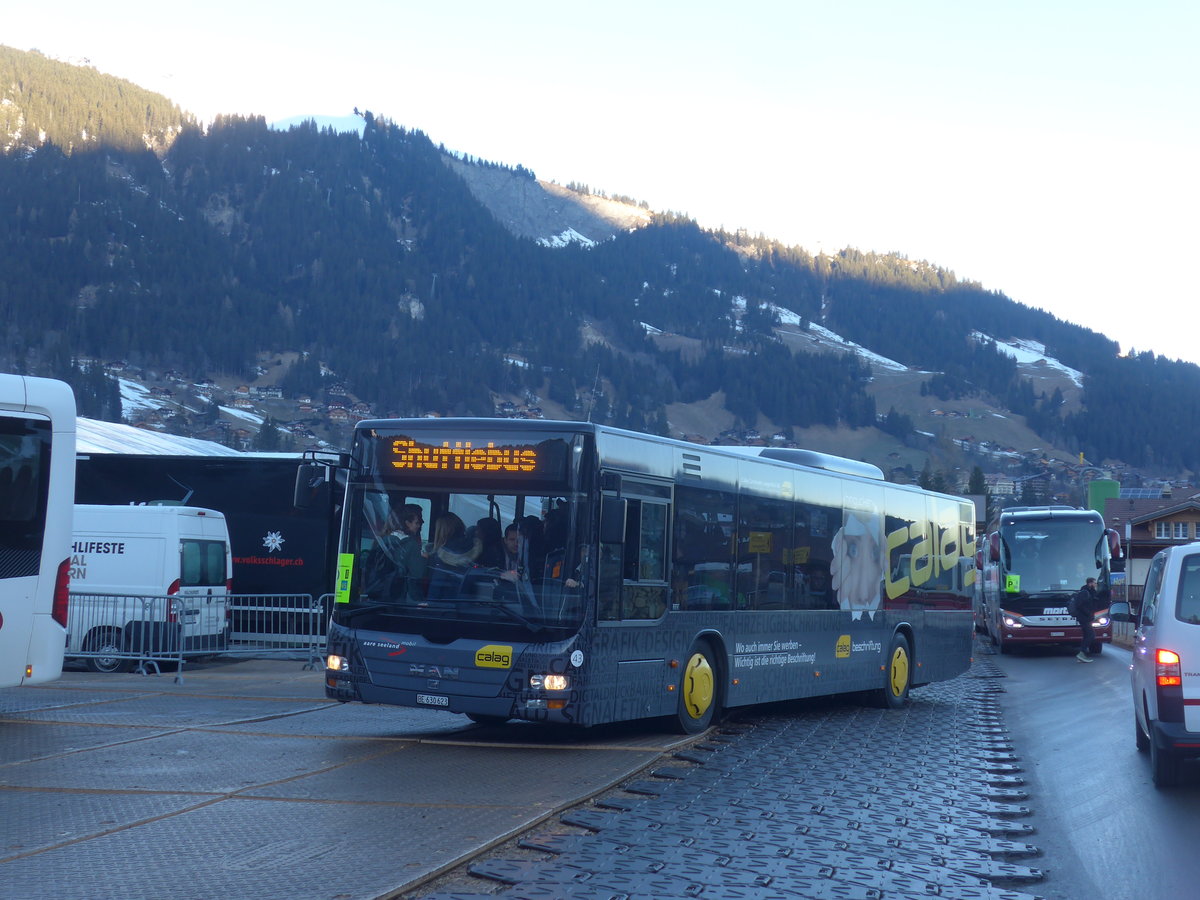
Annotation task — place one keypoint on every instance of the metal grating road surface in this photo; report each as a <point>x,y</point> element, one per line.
<point>825,801</point>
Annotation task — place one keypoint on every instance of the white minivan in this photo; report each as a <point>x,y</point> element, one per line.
<point>147,581</point>
<point>1166,661</point>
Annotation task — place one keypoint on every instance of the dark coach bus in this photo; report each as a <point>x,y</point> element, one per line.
<point>1034,560</point>
<point>277,549</point>
<point>645,577</point>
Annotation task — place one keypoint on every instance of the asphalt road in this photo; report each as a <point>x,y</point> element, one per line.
<point>1104,830</point>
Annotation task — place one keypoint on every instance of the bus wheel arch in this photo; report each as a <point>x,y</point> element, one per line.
<point>700,686</point>
<point>106,640</point>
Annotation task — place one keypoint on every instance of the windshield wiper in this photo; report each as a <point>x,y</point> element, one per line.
<point>348,615</point>
<point>503,607</point>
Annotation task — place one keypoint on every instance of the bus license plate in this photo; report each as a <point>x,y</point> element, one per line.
<point>1058,634</point>
<point>432,700</point>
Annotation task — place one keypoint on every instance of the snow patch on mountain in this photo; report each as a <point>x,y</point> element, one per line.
<point>563,238</point>
<point>824,334</point>
<point>1032,353</point>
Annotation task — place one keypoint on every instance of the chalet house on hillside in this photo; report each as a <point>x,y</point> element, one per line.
<point>1148,525</point>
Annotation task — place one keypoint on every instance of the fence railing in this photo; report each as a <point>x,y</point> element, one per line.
<point>266,624</point>
<point>144,633</point>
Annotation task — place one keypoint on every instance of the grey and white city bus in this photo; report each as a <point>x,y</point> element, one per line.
<point>37,487</point>
<point>652,577</point>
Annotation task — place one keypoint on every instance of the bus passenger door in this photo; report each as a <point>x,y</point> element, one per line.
<point>633,572</point>
<point>613,511</point>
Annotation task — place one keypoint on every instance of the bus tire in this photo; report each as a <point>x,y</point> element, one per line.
<point>897,674</point>
<point>1001,645</point>
<point>698,690</point>
<point>102,641</point>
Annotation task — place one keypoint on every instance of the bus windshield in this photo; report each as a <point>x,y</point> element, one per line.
<point>1052,555</point>
<point>463,564</point>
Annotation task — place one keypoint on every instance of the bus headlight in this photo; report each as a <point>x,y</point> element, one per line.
<point>549,682</point>
<point>336,663</point>
<point>1101,620</point>
<point>1011,620</point>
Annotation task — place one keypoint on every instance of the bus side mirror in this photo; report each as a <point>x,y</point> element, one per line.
<point>612,520</point>
<point>310,478</point>
<point>994,546</point>
<point>1114,543</point>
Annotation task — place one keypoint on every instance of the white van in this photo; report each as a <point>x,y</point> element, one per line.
<point>147,581</point>
<point>1166,662</point>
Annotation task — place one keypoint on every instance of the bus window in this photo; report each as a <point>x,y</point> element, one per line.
<point>643,595</point>
<point>764,534</point>
<point>813,554</point>
<point>701,575</point>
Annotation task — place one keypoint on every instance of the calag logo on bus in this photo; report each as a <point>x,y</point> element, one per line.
<point>842,648</point>
<point>494,656</point>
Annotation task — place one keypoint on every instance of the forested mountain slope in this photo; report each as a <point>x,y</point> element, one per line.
<point>374,259</point>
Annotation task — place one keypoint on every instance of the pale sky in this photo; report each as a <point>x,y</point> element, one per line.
<point>1047,149</point>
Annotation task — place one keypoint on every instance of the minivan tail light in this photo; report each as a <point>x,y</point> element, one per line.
<point>1167,672</point>
<point>174,588</point>
<point>62,592</point>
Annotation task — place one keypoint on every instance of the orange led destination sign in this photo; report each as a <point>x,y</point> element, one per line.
<point>462,456</point>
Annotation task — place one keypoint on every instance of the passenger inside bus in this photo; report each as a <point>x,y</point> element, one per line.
<point>487,531</point>
<point>512,549</point>
<point>451,555</point>
<point>533,550</point>
<point>394,568</point>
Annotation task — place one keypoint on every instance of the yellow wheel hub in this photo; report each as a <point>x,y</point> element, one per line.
<point>698,684</point>
<point>898,680</point>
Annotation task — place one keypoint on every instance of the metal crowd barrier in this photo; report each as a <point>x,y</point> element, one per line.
<point>274,624</point>
<point>126,632</point>
<point>144,633</point>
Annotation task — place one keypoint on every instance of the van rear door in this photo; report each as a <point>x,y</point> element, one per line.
<point>203,579</point>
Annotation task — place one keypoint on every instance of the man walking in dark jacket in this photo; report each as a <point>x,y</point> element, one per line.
<point>1084,606</point>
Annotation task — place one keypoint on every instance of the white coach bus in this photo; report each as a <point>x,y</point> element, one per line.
<point>37,494</point>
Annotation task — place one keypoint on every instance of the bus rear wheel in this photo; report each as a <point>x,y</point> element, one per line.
<point>106,644</point>
<point>698,700</point>
<point>897,674</point>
